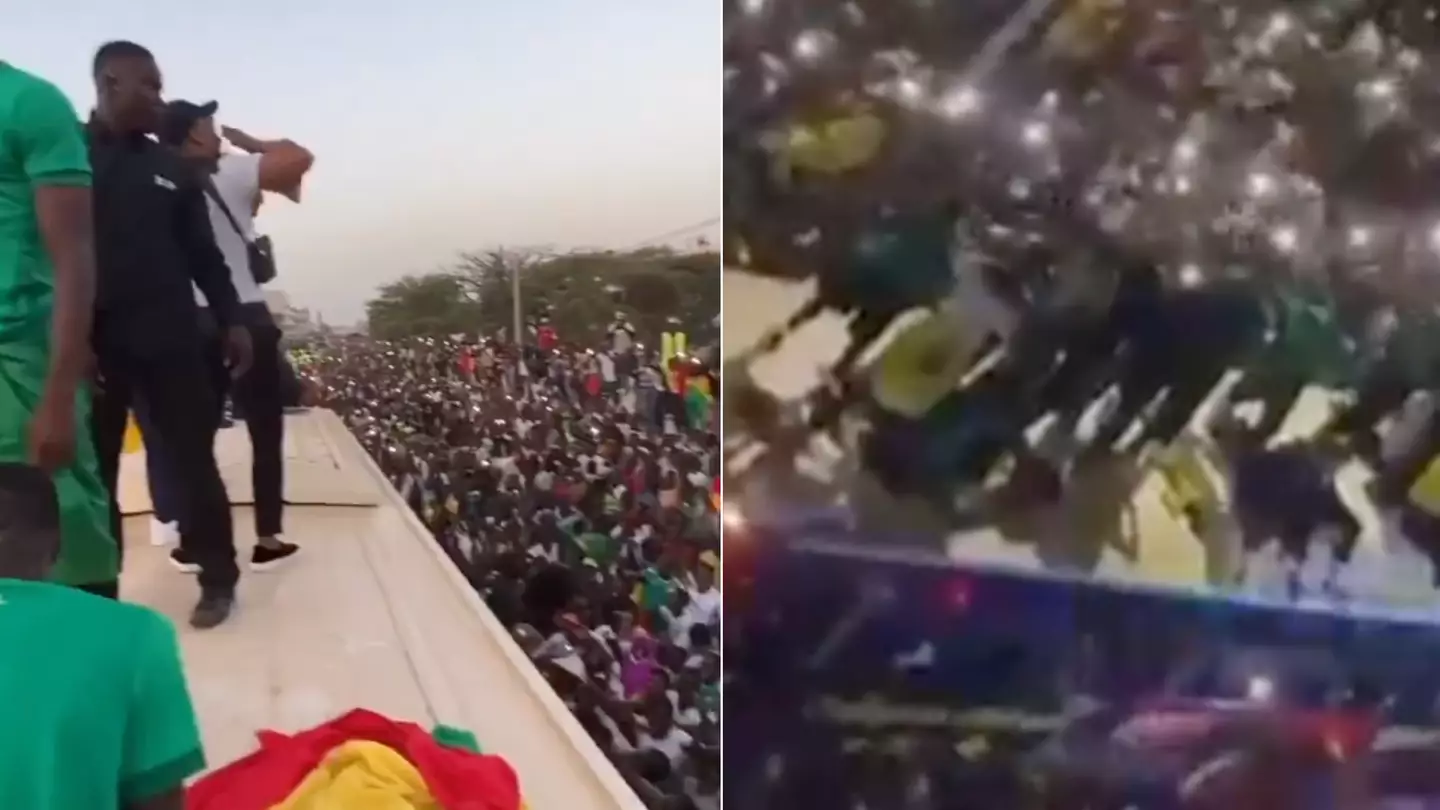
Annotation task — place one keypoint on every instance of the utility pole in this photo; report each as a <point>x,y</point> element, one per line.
<point>518,326</point>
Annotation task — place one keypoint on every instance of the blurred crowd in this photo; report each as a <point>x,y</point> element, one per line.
<point>1050,289</point>
<point>972,691</point>
<point>576,487</point>
<point>1247,394</point>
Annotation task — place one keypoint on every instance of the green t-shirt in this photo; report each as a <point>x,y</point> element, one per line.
<point>656,590</point>
<point>1309,341</point>
<point>40,145</point>
<point>599,547</point>
<point>697,408</point>
<point>904,262</point>
<point>97,713</point>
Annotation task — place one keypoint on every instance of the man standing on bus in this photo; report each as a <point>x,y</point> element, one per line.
<point>233,181</point>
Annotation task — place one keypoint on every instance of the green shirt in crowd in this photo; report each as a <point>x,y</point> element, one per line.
<point>1309,342</point>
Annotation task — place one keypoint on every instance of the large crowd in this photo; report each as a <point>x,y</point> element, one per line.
<point>576,488</point>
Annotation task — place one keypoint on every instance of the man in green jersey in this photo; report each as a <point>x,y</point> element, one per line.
<point>102,719</point>
<point>47,287</point>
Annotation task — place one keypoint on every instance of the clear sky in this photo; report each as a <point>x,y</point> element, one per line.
<point>438,125</point>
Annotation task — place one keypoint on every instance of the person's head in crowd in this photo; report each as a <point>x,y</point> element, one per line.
<point>527,638</point>
<point>659,715</point>
<point>548,593</point>
<point>29,523</point>
<point>700,636</point>
<point>704,577</point>
<point>190,128</point>
<point>624,622</point>
<point>128,88</point>
<point>652,766</point>
<point>563,667</point>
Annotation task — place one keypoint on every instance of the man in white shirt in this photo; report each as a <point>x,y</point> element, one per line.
<point>236,181</point>
<point>704,596</point>
<point>622,334</point>
<point>659,732</point>
<point>607,372</point>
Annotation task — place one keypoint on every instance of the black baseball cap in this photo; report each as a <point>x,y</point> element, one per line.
<point>180,117</point>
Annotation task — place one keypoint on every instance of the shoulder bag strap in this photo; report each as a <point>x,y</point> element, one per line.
<point>214,194</point>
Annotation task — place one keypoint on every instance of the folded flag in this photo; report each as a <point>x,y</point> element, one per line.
<point>361,759</point>
<point>362,774</point>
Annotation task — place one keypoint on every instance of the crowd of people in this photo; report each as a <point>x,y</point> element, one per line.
<point>577,489</point>
<point>1072,375</point>
<point>1096,255</point>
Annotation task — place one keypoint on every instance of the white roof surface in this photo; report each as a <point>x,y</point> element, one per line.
<point>370,615</point>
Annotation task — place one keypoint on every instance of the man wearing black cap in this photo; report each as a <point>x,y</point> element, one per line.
<point>233,183</point>
<point>154,244</point>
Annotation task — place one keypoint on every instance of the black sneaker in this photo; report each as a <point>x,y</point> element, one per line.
<point>183,562</point>
<point>212,609</point>
<point>265,558</point>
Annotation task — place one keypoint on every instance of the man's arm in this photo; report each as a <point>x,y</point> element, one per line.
<point>207,264</point>
<point>162,739</point>
<point>283,163</point>
<point>58,165</point>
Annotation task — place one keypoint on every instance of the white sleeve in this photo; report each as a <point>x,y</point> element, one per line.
<point>238,179</point>
<point>242,171</point>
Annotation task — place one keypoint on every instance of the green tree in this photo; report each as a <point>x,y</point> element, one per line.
<point>657,288</point>
<point>431,304</point>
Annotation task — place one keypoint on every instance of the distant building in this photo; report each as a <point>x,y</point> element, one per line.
<point>296,322</point>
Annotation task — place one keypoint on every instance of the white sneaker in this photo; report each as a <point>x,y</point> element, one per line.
<point>164,534</point>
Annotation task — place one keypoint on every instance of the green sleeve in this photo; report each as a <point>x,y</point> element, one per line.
<point>162,738</point>
<point>49,137</point>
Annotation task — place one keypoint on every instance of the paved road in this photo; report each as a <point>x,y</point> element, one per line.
<point>1158,550</point>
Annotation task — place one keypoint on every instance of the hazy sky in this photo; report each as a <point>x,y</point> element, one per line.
<point>438,125</point>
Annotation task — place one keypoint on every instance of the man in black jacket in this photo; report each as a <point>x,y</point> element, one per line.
<point>153,240</point>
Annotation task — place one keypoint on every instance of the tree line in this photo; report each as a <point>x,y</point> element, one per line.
<point>659,289</point>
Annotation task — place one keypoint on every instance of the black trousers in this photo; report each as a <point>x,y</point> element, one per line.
<point>1187,375</point>
<point>173,380</point>
<point>260,396</point>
